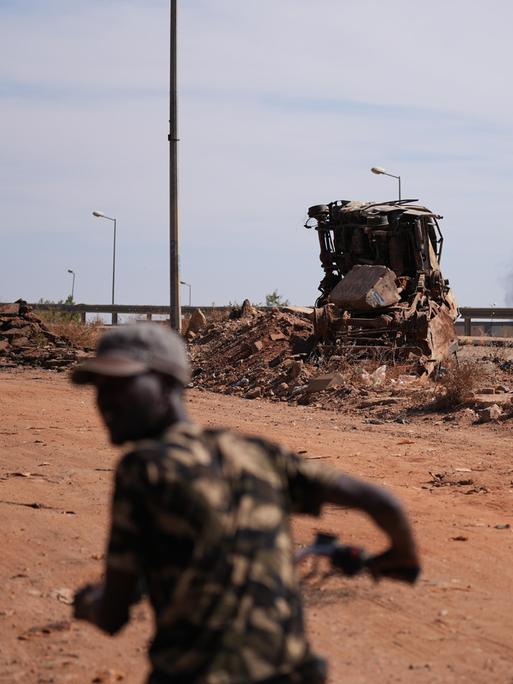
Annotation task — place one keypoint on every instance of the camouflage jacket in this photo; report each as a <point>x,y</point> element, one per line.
<point>203,517</point>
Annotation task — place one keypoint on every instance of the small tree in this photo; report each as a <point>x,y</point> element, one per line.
<point>275,299</point>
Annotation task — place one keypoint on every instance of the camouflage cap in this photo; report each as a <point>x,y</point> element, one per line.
<point>133,349</point>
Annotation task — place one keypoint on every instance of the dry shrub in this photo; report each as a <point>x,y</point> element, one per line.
<point>80,335</point>
<point>459,380</point>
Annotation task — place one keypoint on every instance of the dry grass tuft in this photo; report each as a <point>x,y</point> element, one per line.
<point>459,380</point>
<point>80,335</point>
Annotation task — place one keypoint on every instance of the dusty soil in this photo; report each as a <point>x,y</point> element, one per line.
<point>457,482</point>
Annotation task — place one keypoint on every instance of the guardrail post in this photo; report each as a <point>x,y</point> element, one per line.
<point>468,326</point>
<point>83,317</point>
<point>114,318</point>
<point>148,316</point>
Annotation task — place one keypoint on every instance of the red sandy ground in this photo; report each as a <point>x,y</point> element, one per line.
<point>456,625</point>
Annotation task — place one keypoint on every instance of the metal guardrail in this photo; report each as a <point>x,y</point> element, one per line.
<point>491,313</point>
<point>467,313</point>
<point>148,310</point>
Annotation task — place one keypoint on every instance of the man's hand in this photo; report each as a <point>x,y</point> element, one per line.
<point>397,564</point>
<point>106,605</point>
<point>86,605</point>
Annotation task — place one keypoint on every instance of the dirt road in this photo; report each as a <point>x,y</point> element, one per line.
<point>457,482</point>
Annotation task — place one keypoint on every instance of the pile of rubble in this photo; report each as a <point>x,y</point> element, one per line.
<point>26,340</point>
<point>256,354</point>
<point>273,355</point>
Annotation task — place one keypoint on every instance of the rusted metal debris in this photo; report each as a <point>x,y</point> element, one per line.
<point>383,290</point>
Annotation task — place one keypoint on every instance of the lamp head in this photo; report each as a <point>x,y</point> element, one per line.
<point>98,214</point>
<point>378,170</point>
<point>70,271</point>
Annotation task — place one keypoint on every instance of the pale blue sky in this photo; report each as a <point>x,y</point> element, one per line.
<point>283,104</point>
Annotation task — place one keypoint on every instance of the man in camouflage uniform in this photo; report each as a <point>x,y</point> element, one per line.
<point>201,520</point>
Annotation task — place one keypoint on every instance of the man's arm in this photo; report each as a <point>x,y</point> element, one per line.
<point>107,605</point>
<point>310,486</point>
<point>385,511</point>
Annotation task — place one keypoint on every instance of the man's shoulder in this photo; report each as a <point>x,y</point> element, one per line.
<point>188,448</point>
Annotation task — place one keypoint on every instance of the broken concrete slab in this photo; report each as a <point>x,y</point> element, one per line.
<point>307,310</point>
<point>366,287</point>
<point>486,400</point>
<point>489,414</point>
<point>322,382</point>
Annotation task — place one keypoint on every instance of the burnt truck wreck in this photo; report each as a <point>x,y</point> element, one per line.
<point>382,287</point>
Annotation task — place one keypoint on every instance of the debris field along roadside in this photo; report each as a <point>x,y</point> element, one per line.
<point>272,355</point>
<point>26,340</point>
<point>454,626</point>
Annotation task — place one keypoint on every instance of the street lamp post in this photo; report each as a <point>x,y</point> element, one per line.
<point>381,172</point>
<point>100,214</point>
<point>72,283</point>
<point>182,282</point>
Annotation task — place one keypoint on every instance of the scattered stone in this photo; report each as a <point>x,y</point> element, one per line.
<point>254,393</point>
<point>322,382</point>
<point>258,345</point>
<point>277,336</point>
<point>484,401</point>
<point>503,526</point>
<point>247,309</point>
<point>198,322</point>
<point>295,369</point>
<point>45,630</point>
<point>26,340</point>
<point>468,415</point>
<point>243,382</point>
<point>63,595</point>
<point>379,401</point>
<point>489,414</point>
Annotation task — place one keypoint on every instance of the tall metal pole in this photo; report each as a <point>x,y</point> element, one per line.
<point>399,179</point>
<point>174,276</point>
<point>114,261</point>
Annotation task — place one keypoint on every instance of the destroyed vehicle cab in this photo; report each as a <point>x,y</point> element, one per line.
<point>382,284</point>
